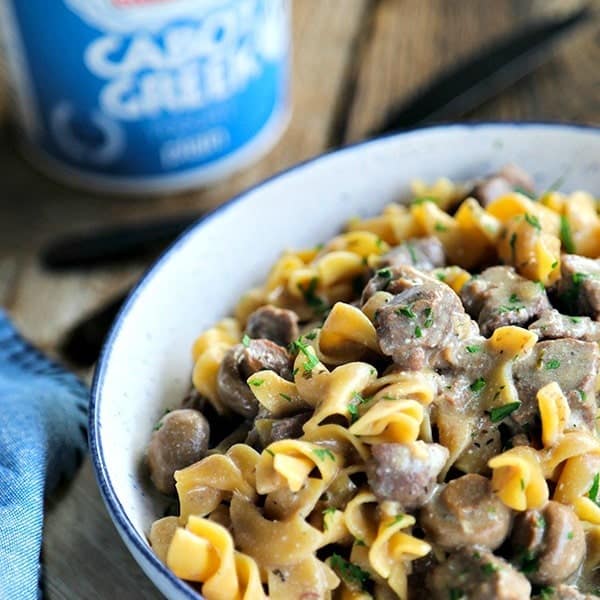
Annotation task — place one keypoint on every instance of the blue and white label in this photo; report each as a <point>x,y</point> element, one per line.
<point>135,88</point>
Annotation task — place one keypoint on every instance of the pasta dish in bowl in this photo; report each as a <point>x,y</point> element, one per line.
<point>409,406</point>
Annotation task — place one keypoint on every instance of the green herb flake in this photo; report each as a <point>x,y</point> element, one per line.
<point>540,522</point>
<point>499,413</point>
<point>411,251</point>
<point>440,227</point>
<point>311,298</point>
<point>474,349</point>
<point>529,562</point>
<point>357,400</point>
<point>582,395</point>
<point>512,242</point>
<point>593,491</point>
<point>246,340</point>
<point>395,520</point>
<point>418,332</point>
<point>533,221</point>
<point>312,360</point>
<point>257,382</point>
<point>379,243</point>
<point>455,594</point>
<point>522,482</point>
<point>324,453</point>
<point>423,199</point>
<point>546,592</point>
<point>489,568</point>
<point>575,319</point>
<point>441,276</point>
<point>359,542</point>
<point>552,364</point>
<point>566,237</point>
<point>513,298</point>
<point>523,191</point>
<point>384,273</point>
<point>312,335</point>
<point>269,452</point>
<point>428,317</point>
<point>406,311</point>
<point>578,278</point>
<point>350,572</point>
<point>327,512</point>
<point>477,385</point>
<point>554,265</point>
<point>285,396</point>
<point>570,535</point>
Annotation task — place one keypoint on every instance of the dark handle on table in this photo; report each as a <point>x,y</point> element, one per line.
<point>112,244</point>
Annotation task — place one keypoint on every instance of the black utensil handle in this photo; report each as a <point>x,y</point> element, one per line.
<point>481,76</point>
<point>114,243</point>
<point>82,344</point>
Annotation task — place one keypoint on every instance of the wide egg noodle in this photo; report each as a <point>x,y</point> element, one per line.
<point>297,517</point>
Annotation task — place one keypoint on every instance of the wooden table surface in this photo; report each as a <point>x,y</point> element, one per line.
<point>352,60</point>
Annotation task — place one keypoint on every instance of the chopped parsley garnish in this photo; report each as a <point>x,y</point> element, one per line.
<point>350,572</point>
<point>428,317</point>
<point>575,319</point>
<point>593,491</point>
<point>311,336</point>
<point>529,562</point>
<point>311,298</point>
<point>285,396</point>
<point>328,511</point>
<point>406,311</point>
<point>578,278</point>
<point>513,298</point>
<point>385,273</point>
<point>554,265</point>
<point>269,452</point>
<point>546,592</point>
<point>440,227</point>
<point>512,242</point>
<point>473,349</point>
<point>489,568</point>
<point>533,221</point>
<point>356,401</point>
<point>160,422</point>
<point>570,535</point>
<point>257,382</point>
<point>506,309</point>
<point>499,413</point>
<point>455,594</point>
<point>582,395</point>
<point>566,237</point>
<point>418,332</point>
<point>540,522</point>
<point>246,340</point>
<point>395,520</point>
<point>312,360</point>
<point>441,276</point>
<point>379,243</point>
<point>552,364</point>
<point>521,190</point>
<point>522,483</point>
<point>359,542</point>
<point>423,199</point>
<point>411,251</point>
<point>477,385</point>
<point>323,453</point>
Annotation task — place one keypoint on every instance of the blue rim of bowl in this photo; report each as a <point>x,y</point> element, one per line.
<point>108,493</point>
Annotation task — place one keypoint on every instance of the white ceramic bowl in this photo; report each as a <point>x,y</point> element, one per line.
<point>146,363</point>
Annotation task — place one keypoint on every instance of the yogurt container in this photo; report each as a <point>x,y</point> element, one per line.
<point>147,96</point>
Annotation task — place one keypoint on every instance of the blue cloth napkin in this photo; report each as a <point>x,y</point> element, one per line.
<point>42,440</point>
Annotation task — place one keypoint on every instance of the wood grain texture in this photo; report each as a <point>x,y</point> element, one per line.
<point>353,59</point>
<point>413,40</point>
